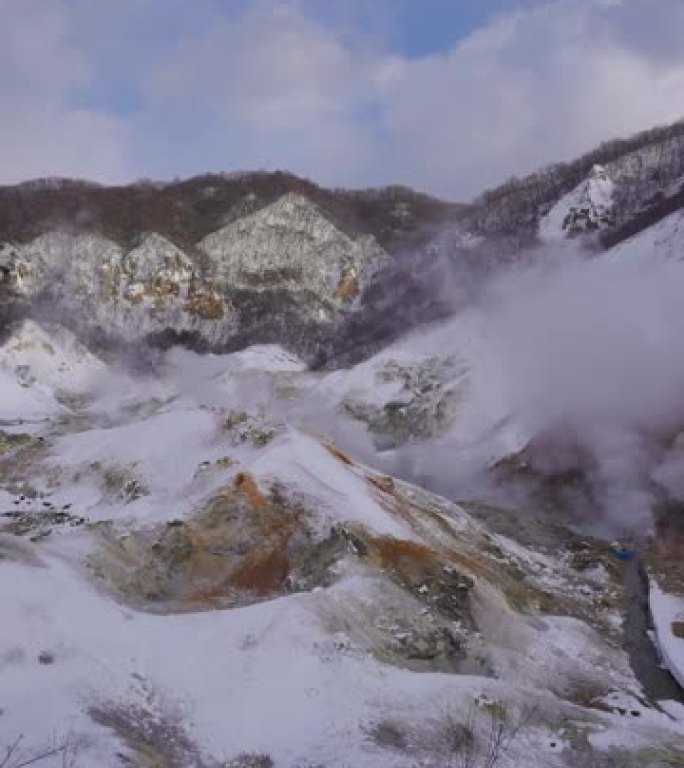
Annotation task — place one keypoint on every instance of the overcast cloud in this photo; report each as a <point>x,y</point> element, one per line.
<point>270,84</point>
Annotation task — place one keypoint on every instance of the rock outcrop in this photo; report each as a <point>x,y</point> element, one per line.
<point>284,273</point>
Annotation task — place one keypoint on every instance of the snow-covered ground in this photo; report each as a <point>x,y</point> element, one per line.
<point>664,240</point>
<point>400,615</point>
<point>668,621</point>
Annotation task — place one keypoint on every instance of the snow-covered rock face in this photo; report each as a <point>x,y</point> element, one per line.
<point>634,182</point>
<point>283,267</point>
<point>96,287</point>
<point>290,245</point>
<point>586,210</point>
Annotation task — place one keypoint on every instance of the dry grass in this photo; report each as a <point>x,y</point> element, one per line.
<point>382,483</point>
<point>154,734</point>
<point>338,454</point>
<point>348,288</point>
<point>62,751</point>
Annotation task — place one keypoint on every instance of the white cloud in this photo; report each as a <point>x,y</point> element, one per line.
<point>287,91</point>
<point>275,88</point>
<point>41,134</point>
<point>531,87</point>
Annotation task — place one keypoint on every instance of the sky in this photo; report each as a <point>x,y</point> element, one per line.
<point>447,96</point>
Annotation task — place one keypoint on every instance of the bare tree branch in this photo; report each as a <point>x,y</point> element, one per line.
<point>66,747</point>
<point>10,751</point>
<point>463,748</point>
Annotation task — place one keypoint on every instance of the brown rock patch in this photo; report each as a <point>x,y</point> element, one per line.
<point>234,550</point>
<point>206,306</point>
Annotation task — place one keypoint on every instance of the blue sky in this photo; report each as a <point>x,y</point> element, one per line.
<point>449,96</point>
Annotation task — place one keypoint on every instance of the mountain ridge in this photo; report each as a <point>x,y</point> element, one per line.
<point>430,256</point>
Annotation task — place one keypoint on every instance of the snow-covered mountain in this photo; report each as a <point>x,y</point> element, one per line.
<point>640,177</point>
<point>285,264</point>
<point>221,262</point>
<point>309,479</point>
<point>213,263</point>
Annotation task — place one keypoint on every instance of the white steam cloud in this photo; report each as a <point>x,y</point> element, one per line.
<point>591,354</point>
<point>576,360</point>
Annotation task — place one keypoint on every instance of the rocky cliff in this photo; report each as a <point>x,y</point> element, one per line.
<point>216,263</point>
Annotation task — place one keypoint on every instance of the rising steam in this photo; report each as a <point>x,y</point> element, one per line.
<point>590,351</point>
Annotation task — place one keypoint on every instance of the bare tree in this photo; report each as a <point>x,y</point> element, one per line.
<point>484,738</point>
<point>65,749</point>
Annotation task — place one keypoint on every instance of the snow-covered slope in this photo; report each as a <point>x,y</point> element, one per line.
<point>53,359</point>
<point>663,240</point>
<point>41,371</point>
<point>224,561</point>
<point>629,177</point>
<point>587,209</point>
<point>668,619</point>
<point>192,576</point>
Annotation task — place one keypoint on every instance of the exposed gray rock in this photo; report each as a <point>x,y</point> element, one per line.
<point>423,407</point>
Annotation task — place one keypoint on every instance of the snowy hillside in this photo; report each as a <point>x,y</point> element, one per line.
<point>199,580</point>
<point>221,262</point>
<point>664,240</point>
<point>587,209</point>
<point>637,173</point>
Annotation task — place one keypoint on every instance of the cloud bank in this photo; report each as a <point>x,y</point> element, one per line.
<point>270,84</point>
<point>42,132</point>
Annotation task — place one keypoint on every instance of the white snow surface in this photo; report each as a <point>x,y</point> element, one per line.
<point>22,404</point>
<point>663,241</point>
<point>270,677</point>
<point>264,678</point>
<point>51,360</point>
<point>667,609</point>
<point>594,195</point>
